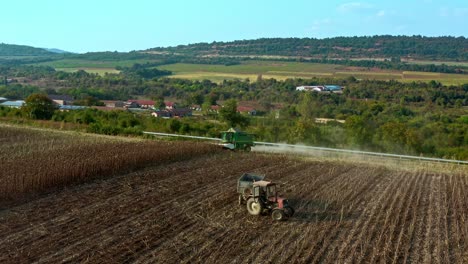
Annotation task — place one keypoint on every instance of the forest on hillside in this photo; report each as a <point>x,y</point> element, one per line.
<point>415,47</point>
<point>439,54</point>
<point>22,50</point>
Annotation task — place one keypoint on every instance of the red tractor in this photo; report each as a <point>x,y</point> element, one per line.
<point>261,197</point>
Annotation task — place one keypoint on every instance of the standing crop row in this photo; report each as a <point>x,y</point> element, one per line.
<point>34,161</point>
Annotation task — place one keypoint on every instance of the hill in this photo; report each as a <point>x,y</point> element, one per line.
<point>57,51</point>
<point>410,47</point>
<point>21,50</point>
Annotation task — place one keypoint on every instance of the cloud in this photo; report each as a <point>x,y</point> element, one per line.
<point>353,6</point>
<point>444,12</point>
<point>381,13</point>
<point>320,23</point>
<point>453,12</point>
<point>460,12</point>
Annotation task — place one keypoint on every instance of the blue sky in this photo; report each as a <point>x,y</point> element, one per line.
<point>101,25</point>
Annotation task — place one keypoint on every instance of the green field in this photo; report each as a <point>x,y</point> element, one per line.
<point>279,70</point>
<point>448,63</point>
<point>282,70</point>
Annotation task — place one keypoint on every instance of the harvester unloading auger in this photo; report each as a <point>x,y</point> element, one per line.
<point>261,197</point>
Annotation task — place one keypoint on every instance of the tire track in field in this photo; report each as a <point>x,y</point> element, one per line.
<point>193,194</point>
<point>395,218</point>
<point>416,249</point>
<point>325,192</point>
<point>264,253</point>
<point>292,174</point>
<point>387,207</point>
<point>206,254</point>
<point>456,217</point>
<point>348,198</point>
<point>444,215</point>
<point>81,198</point>
<point>84,212</point>
<point>331,243</point>
<point>403,239</point>
<point>435,250</point>
<point>141,215</point>
<point>464,202</point>
<point>301,208</point>
<point>105,204</point>
<point>358,230</point>
<point>309,245</point>
<point>429,241</point>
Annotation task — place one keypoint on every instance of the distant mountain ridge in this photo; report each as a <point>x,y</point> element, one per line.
<point>386,46</point>
<point>22,50</point>
<point>59,51</point>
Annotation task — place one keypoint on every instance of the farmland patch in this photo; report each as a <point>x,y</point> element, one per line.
<point>185,210</point>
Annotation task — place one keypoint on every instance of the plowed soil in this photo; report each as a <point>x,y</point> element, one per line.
<point>187,211</point>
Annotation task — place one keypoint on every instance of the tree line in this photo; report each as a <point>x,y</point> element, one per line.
<point>418,118</point>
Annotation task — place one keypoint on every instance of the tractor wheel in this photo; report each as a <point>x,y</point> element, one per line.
<point>289,211</point>
<point>241,199</point>
<point>254,207</point>
<point>278,215</point>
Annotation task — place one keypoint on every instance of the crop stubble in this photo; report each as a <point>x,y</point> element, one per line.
<point>186,211</point>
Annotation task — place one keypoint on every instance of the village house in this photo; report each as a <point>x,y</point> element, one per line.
<point>130,104</point>
<point>320,88</point>
<point>61,99</point>
<point>196,107</point>
<point>240,109</point>
<point>114,104</point>
<point>170,105</point>
<point>145,104</point>
<point>169,113</point>
<point>13,104</point>
<point>246,110</point>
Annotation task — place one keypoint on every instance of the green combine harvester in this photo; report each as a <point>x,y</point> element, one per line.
<point>237,140</point>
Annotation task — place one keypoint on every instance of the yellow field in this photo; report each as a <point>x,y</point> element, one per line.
<point>281,70</point>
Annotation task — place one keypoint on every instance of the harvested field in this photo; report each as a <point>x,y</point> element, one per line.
<point>185,211</point>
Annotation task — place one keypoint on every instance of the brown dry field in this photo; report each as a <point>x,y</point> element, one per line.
<point>186,212</point>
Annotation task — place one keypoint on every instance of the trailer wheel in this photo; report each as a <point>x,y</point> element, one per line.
<point>254,207</point>
<point>247,148</point>
<point>278,215</point>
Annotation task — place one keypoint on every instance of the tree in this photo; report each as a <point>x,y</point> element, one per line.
<point>39,106</point>
<point>159,102</point>
<point>230,115</point>
<point>307,106</point>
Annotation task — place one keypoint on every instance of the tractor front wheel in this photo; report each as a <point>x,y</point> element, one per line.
<point>254,207</point>
<point>278,215</point>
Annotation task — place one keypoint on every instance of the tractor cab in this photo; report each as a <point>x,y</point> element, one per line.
<point>265,189</point>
